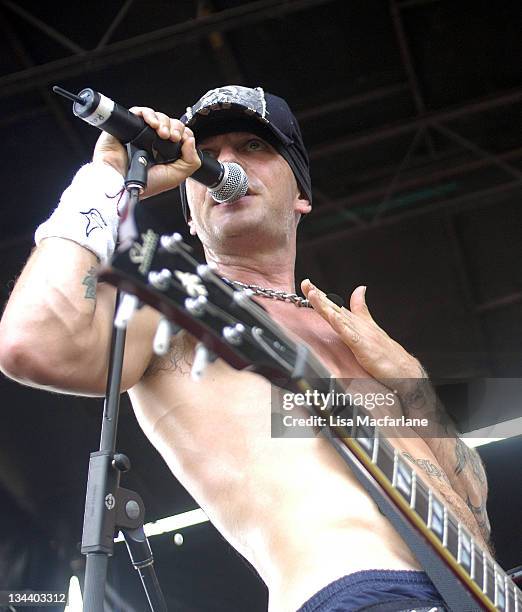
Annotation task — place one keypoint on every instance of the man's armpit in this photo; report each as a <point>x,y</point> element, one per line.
<point>178,359</point>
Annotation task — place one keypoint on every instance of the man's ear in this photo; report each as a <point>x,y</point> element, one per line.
<point>192,229</point>
<point>302,204</point>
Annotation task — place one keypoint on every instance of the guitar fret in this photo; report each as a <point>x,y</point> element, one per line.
<point>395,467</point>
<point>507,593</point>
<point>466,559</point>
<point>491,579</point>
<point>472,572</point>
<point>386,462</point>
<point>478,567</point>
<point>375,452</point>
<point>485,589</point>
<point>459,545</point>
<point>496,584</point>
<point>353,435</point>
<point>500,594</point>
<point>515,595</point>
<point>437,517</point>
<point>430,510</point>
<point>367,444</point>
<point>445,528</point>
<point>452,542</point>
<point>422,501</point>
<point>403,479</point>
<point>413,497</point>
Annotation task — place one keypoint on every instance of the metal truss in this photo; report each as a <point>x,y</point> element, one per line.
<point>152,42</point>
<point>421,126</point>
<point>212,26</point>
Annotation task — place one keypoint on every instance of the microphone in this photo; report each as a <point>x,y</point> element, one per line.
<point>226,182</point>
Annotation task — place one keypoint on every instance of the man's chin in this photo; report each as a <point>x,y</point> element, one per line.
<point>237,221</point>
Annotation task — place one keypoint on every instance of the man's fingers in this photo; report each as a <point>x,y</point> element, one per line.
<point>147,114</point>
<point>358,303</point>
<point>165,127</point>
<point>188,151</point>
<point>320,302</point>
<point>345,327</point>
<point>323,305</point>
<point>306,285</point>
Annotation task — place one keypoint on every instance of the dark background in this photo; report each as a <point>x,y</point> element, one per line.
<point>411,113</point>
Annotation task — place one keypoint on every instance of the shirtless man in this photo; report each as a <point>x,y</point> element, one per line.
<point>291,507</point>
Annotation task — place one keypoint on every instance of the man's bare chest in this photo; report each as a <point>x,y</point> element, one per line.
<point>305,325</point>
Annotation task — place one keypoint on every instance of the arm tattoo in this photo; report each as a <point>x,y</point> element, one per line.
<point>467,455</point>
<point>422,399</point>
<point>430,468</point>
<point>90,284</point>
<point>481,516</point>
<point>461,454</point>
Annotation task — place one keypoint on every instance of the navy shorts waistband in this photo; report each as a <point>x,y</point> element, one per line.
<point>370,587</point>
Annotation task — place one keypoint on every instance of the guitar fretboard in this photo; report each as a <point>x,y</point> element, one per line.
<point>478,565</point>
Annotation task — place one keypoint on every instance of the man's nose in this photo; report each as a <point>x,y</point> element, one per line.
<point>228,153</point>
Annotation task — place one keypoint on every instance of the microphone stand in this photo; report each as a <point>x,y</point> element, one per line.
<point>108,506</point>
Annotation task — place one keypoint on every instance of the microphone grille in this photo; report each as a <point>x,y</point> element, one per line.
<point>233,186</point>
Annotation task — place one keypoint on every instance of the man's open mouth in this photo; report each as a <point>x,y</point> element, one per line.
<point>248,193</point>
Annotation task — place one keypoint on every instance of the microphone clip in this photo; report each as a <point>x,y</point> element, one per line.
<point>137,172</point>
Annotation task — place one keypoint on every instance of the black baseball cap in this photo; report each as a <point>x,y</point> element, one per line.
<point>234,108</point>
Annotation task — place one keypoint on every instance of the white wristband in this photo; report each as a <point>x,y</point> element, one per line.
<point>88,210</point>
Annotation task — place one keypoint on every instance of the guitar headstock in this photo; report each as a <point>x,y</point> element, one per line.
<point>161,272</point>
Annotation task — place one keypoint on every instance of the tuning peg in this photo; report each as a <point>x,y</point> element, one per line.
<point>160,280</point>
<point>205,271</point>
<point>196,306</point>
<point>174,243</point>
<point>202,357</point>
<point>234,334</point>
<point>243,295</point>
<point>171,243</point>
<point>126,308</point>
<point>162,337</point>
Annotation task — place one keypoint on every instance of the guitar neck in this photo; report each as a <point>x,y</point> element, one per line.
<point>424,510</point>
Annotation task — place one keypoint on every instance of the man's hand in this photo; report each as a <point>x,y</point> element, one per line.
<point>385,359</point>
<point>161,177</point>
<point>376,352</point>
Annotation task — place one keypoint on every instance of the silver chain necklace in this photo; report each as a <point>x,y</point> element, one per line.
<point>274,294</point>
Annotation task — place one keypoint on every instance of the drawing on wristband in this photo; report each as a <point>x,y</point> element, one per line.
<point>94,220</point>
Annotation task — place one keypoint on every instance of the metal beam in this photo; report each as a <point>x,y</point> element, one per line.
<point>118,18</point>
<point>415,183</point>
<point>505,300</point>
<point>43,27</point>
<point>407,62</point>
<point>392,185</point>
<point>495,160</point>
<point>399,129</point>
<point>345,103</point>
<point>56,109</point>
<point>223,53</point>
<point>468,201</point>
<point>152,42</point>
